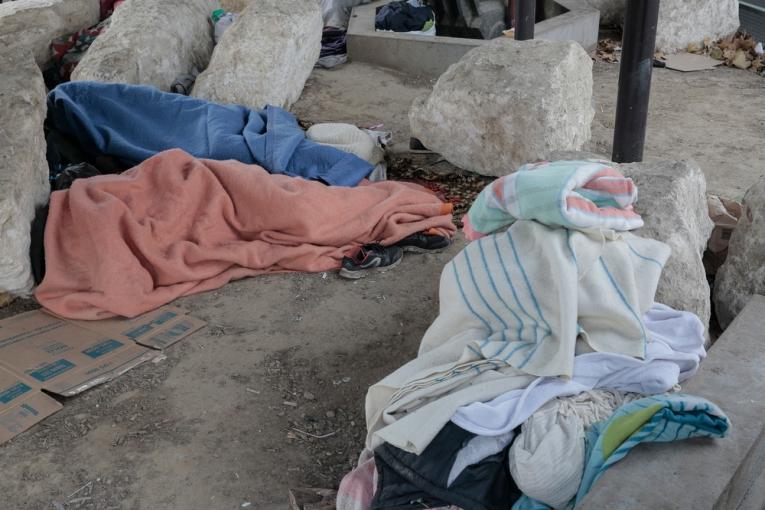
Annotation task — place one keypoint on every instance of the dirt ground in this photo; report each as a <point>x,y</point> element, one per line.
<point>270,395</point>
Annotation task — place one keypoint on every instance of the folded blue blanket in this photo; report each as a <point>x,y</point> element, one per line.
<point>135,122</point>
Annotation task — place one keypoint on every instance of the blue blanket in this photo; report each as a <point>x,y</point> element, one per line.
<point>135,122</point>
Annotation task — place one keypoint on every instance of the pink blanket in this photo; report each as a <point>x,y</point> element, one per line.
<point>176,225</point>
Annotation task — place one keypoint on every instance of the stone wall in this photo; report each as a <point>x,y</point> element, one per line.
<point>33,24</point>
<point>151,42</point>
<point>23,168</point>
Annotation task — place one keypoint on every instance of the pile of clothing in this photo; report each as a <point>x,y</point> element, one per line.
<point>68,50</point>
<point>548,361</point>
<point>158,195</point>
<point>409,16</point>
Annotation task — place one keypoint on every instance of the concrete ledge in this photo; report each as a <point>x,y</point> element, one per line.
<point>430,57</point>
<point>699,474</point>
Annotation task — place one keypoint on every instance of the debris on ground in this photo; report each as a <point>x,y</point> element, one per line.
<point>738,50</point>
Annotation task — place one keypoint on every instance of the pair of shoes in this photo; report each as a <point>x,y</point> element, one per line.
<point>371,257</point>
<point>424,243</point>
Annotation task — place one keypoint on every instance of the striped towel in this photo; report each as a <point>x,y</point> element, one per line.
<point>512,307</point>
<point>571,194</point>
<point>658,419</point>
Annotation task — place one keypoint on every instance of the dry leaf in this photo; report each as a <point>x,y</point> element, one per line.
<point>741,61</point>
<point>693,48</point>
<point>716,53</point>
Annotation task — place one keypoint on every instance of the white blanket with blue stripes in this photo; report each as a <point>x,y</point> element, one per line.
<point>512,306</point>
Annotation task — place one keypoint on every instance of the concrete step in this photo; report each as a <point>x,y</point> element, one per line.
<point>697,474</point>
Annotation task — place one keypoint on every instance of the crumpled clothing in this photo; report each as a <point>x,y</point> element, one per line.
<point>547,459</point>
<point>404,16</point>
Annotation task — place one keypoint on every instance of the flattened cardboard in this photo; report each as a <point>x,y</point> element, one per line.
<point>22,404</point>
<point>687,62</point>
<point>62,357</point>
<point>157,329</point>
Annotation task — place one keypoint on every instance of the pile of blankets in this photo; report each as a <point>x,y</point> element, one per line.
<point>549,359</point>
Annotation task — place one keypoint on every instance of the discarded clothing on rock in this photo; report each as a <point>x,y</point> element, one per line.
<point>655,419</point>
<point>570,194</point>
<point>69,50</point>
<point>337,12</point>
<point>547,459</point>
<point>121,245</point>
<point>135,122</point>
<point>674,351</point>
<point>405,16</point>
<point>407,480</point>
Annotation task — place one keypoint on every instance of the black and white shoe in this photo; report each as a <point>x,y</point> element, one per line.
<point>424,243</point>
<point>371,258</point>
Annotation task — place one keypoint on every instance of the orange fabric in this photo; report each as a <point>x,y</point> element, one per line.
<point>176,225</point>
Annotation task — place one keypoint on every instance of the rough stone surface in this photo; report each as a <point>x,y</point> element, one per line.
<point>743,272</point>
<point>682,22</point>
<point>266,56</point>
<point>32,24</point>
<point>507,103</point>
<point>234,5</point>
<point>151,42</point>
<point>672,201</point>
<point>23,169</point>
<point>611,11</point>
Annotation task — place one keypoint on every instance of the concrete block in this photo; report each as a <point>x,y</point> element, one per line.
<point>701,474</point>
<point>266,56</point>
<point>33,24</point>
<point>151,42</point>
<point>23,168</point>
<point>430,57</point>
<point>507,103</point>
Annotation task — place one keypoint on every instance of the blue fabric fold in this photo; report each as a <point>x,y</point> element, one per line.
<point>135,122</point>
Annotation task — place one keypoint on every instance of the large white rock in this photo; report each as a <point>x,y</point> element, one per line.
<point>23,168</point>
<point>682,22</point>
<point>151,42</point>
<point>743,272</point>
<point>33,24</point>
<point>506,103</point>
<point>672,201</point>
<point>266,56</point>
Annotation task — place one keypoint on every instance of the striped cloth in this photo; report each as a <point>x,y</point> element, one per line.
<point>658,419</point>
<point>512,307</point>
<point>571,194</point>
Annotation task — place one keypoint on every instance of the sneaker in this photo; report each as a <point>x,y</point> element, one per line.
<point>371,257</point>
<point>424,243</point>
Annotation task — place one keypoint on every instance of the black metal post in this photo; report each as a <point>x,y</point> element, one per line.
<point>525,14</point>
<point>638,43</point>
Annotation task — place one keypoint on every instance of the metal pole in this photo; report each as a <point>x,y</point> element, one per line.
<point>525,14</point>
<point>638,43</point>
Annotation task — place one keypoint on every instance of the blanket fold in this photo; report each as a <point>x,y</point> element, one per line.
<point>571,194</point>
<point>175,225</point>
<point>135,122</point>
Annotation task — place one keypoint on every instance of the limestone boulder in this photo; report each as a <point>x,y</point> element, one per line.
<point>265,56</point>
<point>672,201</point>
<point>23,168</point>
<point>151,42</point>
<point>683,22</point>
<point>506,103</point>
<point>743,273</point>
<point>33,24</point>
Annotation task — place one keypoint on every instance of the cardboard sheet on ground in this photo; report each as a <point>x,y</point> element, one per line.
<point>41,352</point>
<point>687,62</point>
